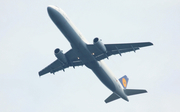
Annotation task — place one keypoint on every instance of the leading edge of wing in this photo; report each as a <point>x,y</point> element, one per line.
<point>130,45</point>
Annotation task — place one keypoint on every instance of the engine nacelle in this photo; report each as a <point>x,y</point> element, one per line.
<point>99,45</point>
<point>60,56</point>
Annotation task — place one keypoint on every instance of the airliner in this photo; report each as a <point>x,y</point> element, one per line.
<point>90,55</point>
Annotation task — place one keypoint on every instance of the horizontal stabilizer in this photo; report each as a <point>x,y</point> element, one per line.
<point>130,92</point>
<point>112,97</point>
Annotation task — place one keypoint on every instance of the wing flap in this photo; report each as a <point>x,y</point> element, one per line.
<point>113,52</point>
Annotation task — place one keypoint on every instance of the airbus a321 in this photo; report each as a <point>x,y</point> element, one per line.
<point>90,55</point>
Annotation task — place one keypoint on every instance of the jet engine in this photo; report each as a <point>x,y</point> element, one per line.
<point>97,42</point>
<point>60,56</point>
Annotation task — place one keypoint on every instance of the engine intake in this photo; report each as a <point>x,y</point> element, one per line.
<point>99,45</point>
<point>60,56</point>
<point>95,40</point>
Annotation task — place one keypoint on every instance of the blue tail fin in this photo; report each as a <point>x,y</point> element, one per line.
<point>124,81</point>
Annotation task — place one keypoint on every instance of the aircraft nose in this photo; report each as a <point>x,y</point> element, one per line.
<point>53,12</point>
<point>50,9</point>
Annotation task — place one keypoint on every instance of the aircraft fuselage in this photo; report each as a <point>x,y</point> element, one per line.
<point>79,45</point>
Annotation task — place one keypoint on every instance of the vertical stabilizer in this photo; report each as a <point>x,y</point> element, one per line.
<point>124,81</point>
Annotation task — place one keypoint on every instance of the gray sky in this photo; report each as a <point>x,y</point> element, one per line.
<point>28,38</point>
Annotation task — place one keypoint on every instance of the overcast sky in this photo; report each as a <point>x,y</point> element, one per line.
<point>28,38</point>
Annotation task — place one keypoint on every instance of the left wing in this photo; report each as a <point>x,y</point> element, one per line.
<point>113,49</point>
<point>57,65</point>
<point>53,67</point>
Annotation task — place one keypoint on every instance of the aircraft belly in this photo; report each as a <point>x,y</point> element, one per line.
<point>102,74</point>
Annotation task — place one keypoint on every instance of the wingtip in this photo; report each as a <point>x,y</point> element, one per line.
<point>146,91</point>
<point>39,73</point>
<point>151,43</point>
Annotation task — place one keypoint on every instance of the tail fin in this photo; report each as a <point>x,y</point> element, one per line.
<point>124,81</point>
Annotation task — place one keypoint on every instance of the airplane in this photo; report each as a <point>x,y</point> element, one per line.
<point>90,55</point>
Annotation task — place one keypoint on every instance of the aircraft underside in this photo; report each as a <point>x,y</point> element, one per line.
<point>90,55</point>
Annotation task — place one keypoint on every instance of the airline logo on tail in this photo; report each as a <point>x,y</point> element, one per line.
<point>124,81</point>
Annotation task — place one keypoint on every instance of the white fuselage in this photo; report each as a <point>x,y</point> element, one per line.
<point>79,45</point>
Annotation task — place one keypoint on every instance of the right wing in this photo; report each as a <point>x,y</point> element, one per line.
<point>113,49</point>
<point>57,65</point>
